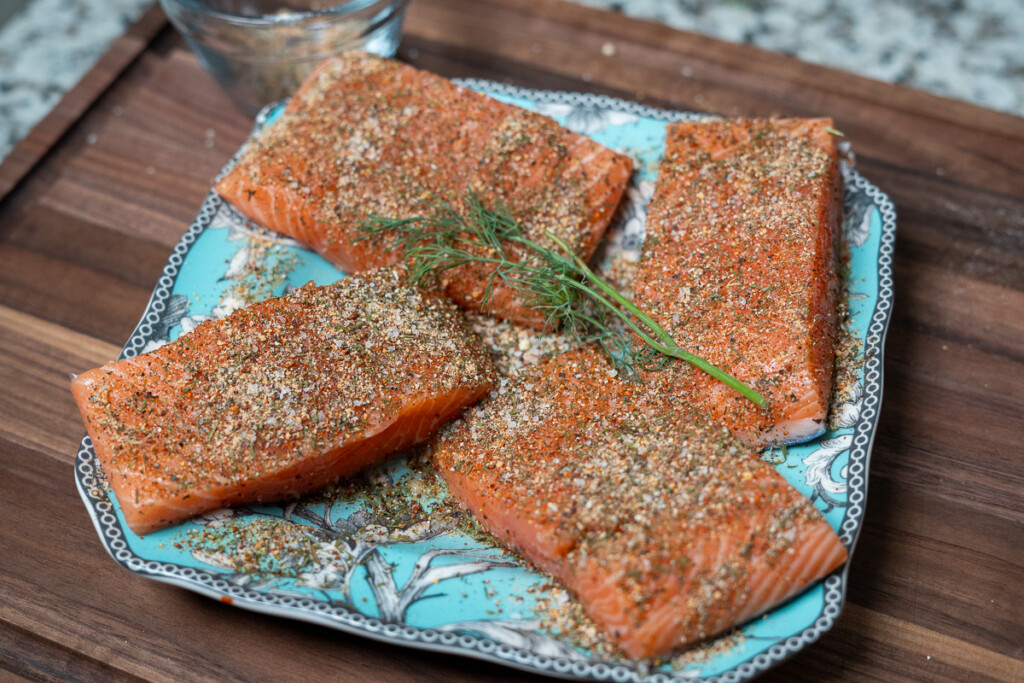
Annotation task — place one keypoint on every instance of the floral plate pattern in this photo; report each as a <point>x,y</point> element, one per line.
<point>419,583</point>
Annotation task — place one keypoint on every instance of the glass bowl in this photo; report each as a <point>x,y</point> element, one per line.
<point>260,51</point>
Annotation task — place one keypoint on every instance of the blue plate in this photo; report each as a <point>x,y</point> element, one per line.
<point>344,564</point>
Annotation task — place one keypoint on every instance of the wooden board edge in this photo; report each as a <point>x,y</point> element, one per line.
<point>48,132</point>
<point>603,26</point>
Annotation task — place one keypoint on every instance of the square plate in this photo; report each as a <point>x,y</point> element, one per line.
<point>345,564</point>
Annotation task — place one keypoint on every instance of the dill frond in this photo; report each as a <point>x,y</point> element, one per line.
<point>554,281</point>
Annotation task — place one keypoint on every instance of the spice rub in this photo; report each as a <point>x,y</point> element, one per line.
<point>281,397</point>
<point>368,137</point>
<point>666,528</point>
<point>740,267</point>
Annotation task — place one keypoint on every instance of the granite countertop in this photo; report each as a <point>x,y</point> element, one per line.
<point>970,50</point>
<point>965,49</point>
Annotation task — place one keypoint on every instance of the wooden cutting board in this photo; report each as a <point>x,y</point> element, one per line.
<point>92,202</point>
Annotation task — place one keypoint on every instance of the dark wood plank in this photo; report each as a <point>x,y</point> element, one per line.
<point>147,629</point>
<point>37,362</point>
<point>128,179</point>
<point>25,655</point>
<point>871,646</point>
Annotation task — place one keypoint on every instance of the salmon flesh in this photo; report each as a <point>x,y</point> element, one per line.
<point>279,398</point>
<point>666,528</point>
<point>367,137</point>
<point>740,266</point>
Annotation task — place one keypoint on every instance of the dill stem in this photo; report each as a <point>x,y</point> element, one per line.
<point>669,347</point>
<point>647,339</point>
<point>609,290</point>
<point>490,229</point>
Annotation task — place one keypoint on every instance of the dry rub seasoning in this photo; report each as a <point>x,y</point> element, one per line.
<point>369,137</point>
<point>665,527</point>
<point>281,397</point>
<point>740,267</point>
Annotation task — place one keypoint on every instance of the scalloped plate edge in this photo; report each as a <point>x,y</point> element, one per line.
<point>206,583</point>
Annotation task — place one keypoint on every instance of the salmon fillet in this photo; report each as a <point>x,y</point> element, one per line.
<point>740,266</point>
<point>666,528</point>
<point>279,398</point>
<point>366,136</point>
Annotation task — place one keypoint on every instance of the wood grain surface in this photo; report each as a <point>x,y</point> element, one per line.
<point>92,204</point>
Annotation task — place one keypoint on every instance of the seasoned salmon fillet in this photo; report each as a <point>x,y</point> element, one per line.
<point>370,137</point>
<point>666,528</point>
<point>279,398</point>
<point>740,266</point>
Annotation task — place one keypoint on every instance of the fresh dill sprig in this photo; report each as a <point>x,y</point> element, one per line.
<point>555,282</point>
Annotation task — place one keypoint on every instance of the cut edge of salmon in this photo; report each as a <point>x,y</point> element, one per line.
<point>162,479</point>
<point>668,624</point>
<point>803,416</point>
<point>667,627</point>
<point>146,515</point>
<point>285,209</point>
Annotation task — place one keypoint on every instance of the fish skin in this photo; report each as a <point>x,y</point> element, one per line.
<point>741,267</point>
<point>366,136</point>
<point>666,528</point>
<point>280,398</point>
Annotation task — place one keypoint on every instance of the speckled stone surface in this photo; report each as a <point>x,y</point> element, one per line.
<point>46,48</point>
<point>967,49</point>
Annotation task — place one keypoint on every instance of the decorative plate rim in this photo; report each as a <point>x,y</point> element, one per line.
<point>210,583</point>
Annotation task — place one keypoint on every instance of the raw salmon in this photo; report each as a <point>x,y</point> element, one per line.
<point>740,266</point>
<point>666,528</point>
<point>366,136</point>
<point>279,398</point>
